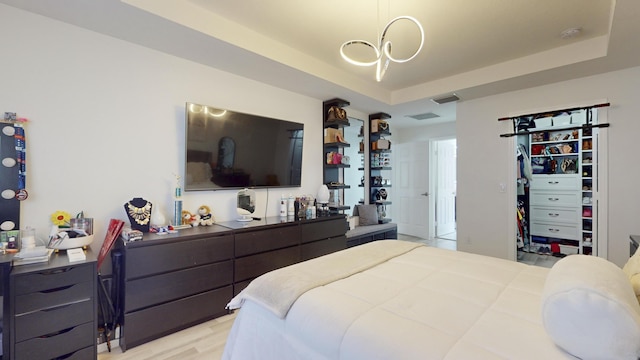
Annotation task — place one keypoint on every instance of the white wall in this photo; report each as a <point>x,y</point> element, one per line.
<point>424,133</point>
<point>107,121</point>
<point>485,160</point>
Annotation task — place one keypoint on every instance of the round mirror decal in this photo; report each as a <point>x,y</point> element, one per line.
<point>9,162</point>
<point>8,130</point>
<point>7,225</point>
<point>8,194</point>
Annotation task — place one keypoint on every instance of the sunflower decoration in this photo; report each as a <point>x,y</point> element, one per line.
<point>61,218</point>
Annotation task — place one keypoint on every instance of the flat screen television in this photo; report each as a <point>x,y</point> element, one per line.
<point>231,150</point>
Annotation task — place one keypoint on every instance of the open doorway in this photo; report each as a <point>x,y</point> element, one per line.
<point>443,180</point>
<point>425,190</point>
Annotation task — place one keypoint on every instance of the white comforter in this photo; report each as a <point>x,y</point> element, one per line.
<point>427,303</point>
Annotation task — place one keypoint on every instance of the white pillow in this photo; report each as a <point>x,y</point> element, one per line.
<point>589,309</point>
<point>354,221</point>
<point>632,266</point>
<point>632,270</point>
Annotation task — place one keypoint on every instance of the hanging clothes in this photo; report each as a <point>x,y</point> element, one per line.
<point>525,172</point>
<point>524,177</point>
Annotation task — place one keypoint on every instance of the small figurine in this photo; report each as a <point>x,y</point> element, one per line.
<point>188,218</point>
<point>205,216</point>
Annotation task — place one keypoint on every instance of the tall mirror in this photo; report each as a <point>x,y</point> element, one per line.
<point>354,174</point>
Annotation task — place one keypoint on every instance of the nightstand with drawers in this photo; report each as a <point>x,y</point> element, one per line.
<point>53,309</point>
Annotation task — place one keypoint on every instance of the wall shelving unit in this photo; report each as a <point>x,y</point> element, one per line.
<point>333,174</point>
<point>379,166</point>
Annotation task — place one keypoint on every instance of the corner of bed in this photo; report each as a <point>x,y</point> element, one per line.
<point>392,299</point>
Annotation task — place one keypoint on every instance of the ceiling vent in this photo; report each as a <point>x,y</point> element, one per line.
<point>424,116</point>
<point>446,99</point>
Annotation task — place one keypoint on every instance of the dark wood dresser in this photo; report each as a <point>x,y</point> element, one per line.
<point>174,281</point>
<point>171,282</point>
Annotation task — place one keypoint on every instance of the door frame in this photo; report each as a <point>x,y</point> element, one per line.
<point>603,185</point>
<point>433,179</point>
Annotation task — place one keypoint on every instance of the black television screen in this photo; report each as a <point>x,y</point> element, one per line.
<point>227,149</point>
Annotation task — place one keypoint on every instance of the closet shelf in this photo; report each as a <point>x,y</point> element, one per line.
<point>551,155</point>
<point>553,142</point>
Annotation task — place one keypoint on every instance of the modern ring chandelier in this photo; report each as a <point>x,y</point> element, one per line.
<point>383,50</point>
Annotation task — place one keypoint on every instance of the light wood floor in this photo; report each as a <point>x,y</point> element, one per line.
<point>201,342</point>
<point>205,341</point>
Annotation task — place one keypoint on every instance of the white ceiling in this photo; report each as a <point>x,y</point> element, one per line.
<point>473,48</point>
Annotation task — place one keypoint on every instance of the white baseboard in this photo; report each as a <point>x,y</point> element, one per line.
<point>102,348</point>
<point>115,342</point>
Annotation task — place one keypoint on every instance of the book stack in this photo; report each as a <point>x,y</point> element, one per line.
<point>38,254</point>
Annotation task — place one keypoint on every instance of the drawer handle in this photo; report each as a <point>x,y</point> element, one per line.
<point>554,230</point>
<point>59,332</point>
<point>56,308</point>
<point>553,182</point>
<point>553,199</point>
<point>553,215</point>
<point>57,271</point>
<point>61,288</point>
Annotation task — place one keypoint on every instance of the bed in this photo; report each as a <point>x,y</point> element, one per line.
<point>392,299</point>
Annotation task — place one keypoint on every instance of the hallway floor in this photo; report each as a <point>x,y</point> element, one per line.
<point>448,241</point>
<point>438,242</point>
<point>537,259</point>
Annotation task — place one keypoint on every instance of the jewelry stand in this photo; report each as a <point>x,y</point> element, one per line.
<point>139,212</point>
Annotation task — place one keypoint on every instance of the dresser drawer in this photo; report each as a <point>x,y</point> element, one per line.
<point>50,321</point>
<point>76,343</point>
<point>249,267</point>
<point>556,182</point>
<point>323,247</point>
<point>556,198</point>
<point>555,214</point>
<point>155,259</point>
<point>254,242</point>
<point>323,230</point>
<point>52,279</point>
<point>157,289</point>
<point>562,231</point>
<point>54,297</point>
<point>157,321</point>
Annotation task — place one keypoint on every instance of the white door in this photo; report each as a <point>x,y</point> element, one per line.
<point>446,187</point>
<point>410,186</point>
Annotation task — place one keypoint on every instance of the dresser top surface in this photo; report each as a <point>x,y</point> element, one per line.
<point>275,220</point>
<point>57,260</point>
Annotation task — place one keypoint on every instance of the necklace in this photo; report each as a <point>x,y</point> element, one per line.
<point>140,214</point>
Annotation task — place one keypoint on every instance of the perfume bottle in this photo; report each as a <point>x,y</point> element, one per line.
<point>177,203</point>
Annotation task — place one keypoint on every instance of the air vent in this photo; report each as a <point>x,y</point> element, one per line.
<point>424,116</point>
<point>446,99</point>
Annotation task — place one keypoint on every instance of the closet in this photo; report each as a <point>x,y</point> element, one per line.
<point>557,211</point>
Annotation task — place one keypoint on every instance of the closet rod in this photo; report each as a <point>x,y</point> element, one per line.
<point>527,132</point>
<point>554,111</point>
